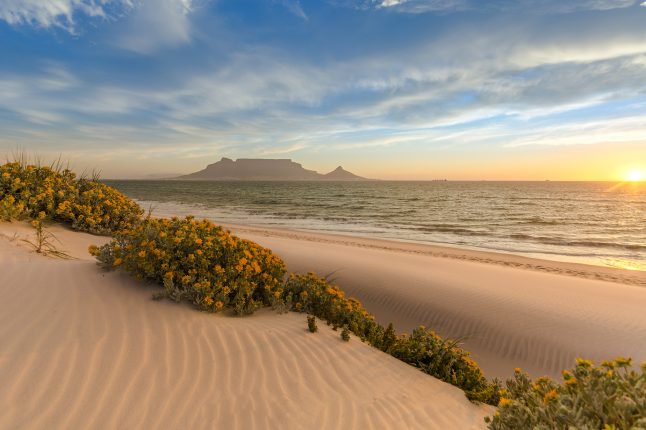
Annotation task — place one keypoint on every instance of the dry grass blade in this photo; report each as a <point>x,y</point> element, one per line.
<point>45,242</point>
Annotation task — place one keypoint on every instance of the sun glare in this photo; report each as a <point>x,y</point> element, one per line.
<point>635,176</point>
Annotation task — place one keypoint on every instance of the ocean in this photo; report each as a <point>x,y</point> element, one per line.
<point>597,223</point>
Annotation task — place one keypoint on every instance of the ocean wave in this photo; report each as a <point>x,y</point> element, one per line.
<point>539,221</point>
<point>577,243</point>
<point>448,228</point>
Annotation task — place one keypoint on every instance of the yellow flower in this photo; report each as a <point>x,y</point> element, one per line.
<point>117,262</point>
<point>218,305</point>
<point>550,396</point>
<point>142,254</point>
<point>504,402</point>
<point>623,362</point>
<point>583,363</point>
<point>572,381</point>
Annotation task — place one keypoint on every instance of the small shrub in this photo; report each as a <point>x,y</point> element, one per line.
<point>197,261</point>
<point>610,396</point>
<point>44,243</point>
<point>345,334</point>
<point>311,324</point>
<point>84,204</point>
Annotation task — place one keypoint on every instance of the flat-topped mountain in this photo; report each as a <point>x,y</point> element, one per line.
<point>257,169</point>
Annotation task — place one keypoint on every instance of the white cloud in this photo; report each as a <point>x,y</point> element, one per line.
<point>422,6</point>
<point>295,7</point>
<point>52,13</point>
<point>156,24</point>
<point>544,6</point>
<point>146,26</point>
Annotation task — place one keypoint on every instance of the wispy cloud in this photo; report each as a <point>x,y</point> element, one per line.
<point>423,6</point>
<point>54,13</point>
<point>144,27</point>
<point>294,6</point>
<point>544,6</point>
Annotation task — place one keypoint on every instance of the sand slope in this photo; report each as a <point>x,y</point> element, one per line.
<point>84,349</point>
<point>511,311</point>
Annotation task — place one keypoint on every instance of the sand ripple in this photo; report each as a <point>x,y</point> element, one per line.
<point>84,349</point>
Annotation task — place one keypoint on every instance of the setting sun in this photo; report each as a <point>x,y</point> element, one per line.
<point>635,176</point>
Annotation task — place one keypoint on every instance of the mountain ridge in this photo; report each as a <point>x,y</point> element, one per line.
<point>265,169</point>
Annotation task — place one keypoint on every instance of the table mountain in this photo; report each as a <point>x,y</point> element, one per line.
<point>257,169</point>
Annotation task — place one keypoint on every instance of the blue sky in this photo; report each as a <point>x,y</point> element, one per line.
<point>404,89</point>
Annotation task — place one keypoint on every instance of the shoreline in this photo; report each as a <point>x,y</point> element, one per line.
<point>623,271</point>
<point>581,270</point>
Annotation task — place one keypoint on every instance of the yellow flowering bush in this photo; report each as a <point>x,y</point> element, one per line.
<point>423,348</point>
<point>197,261</point>
<point>609,396</point>
<point>85,204</point>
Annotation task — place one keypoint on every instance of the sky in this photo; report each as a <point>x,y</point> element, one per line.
<point>391,89</point>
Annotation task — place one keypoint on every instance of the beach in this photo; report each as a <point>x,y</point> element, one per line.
<point>82,347</point>
<point>509,311</point>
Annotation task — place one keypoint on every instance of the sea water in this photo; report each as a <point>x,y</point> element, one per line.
<point>598,223</point>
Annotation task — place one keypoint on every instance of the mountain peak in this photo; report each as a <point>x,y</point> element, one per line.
<point>341,174</point>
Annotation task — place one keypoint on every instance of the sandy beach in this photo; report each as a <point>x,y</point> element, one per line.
<point>81,348</point>
<point>85,348</point>
<point>510,311</point>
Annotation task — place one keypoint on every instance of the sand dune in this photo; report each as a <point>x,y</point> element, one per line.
<point>511,311</point>
<point>80,348</point>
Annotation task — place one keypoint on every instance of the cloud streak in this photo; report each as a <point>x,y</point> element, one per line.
<point>541,6</point>
<point>54,13</point>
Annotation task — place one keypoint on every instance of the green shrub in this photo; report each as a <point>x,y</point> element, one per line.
<point>311,324</point>
<point>84,204</point>
<point>345,334</point>
<point>197,261</point>
<point>610,396</point>
<point>423,349</point>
